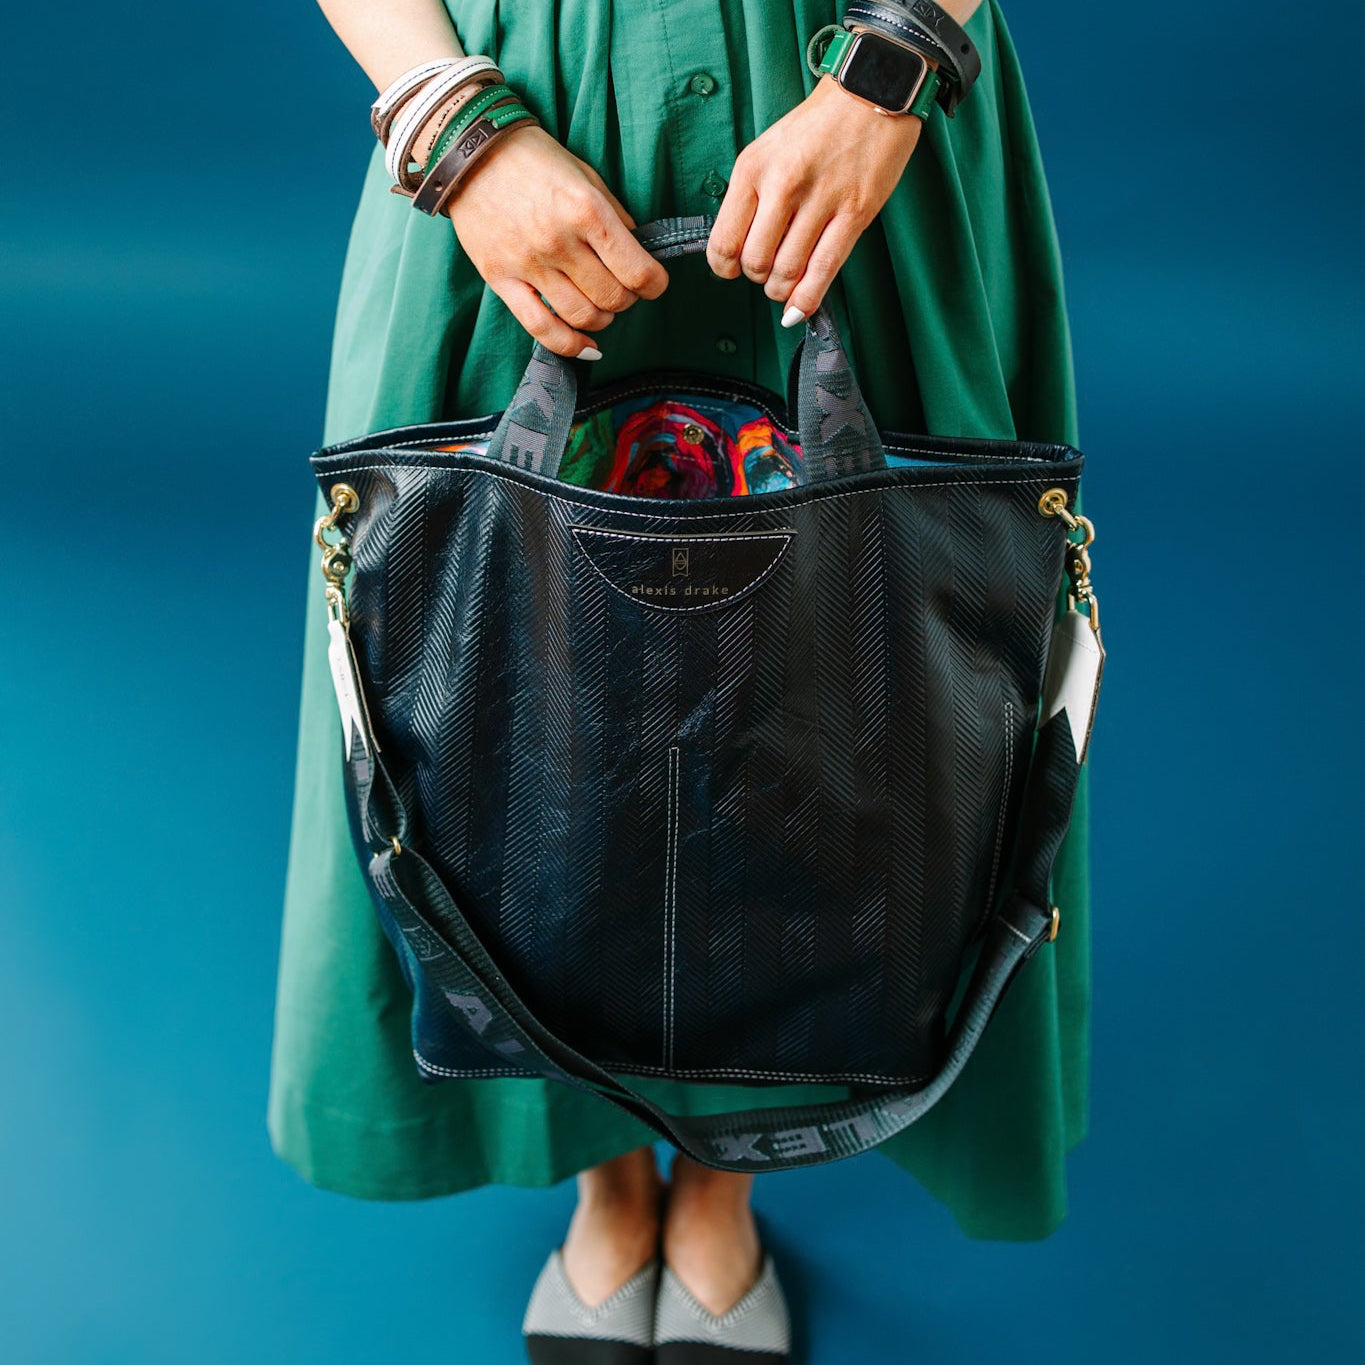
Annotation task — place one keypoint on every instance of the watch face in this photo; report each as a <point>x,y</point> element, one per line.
<point>882,71</point>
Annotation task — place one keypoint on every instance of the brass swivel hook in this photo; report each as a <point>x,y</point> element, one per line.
<point>336,554</point>
<point>1053,504</point>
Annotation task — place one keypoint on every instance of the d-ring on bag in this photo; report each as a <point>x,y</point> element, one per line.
<point>727,768</point>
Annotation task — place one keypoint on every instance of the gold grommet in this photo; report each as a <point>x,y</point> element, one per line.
<point>344,498</point>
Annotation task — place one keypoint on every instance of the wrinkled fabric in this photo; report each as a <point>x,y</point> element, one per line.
<point>953,311</point>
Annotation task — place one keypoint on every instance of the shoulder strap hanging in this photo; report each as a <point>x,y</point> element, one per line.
<point>746,1140</point>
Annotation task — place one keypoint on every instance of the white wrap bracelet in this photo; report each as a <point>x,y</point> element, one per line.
<point>409,123</point>
<point>393,94</point>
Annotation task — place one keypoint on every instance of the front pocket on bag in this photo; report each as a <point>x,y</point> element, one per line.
<point>682,572</point>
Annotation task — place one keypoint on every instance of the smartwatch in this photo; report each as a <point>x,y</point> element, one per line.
<point>930,28</point>
<point>891,76</point>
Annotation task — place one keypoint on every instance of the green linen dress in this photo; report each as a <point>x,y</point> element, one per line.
<point>952,308</point>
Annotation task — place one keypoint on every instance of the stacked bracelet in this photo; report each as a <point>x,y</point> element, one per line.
<point>443,115</point>
<point>471,134</point>
<point>425,102</point>
<point>384,108</point>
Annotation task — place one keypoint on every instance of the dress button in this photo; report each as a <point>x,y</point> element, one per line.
<point>703,83</point>
<point>714,185</point>
<point>727,345</point>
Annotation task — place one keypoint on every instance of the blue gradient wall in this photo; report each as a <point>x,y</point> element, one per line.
<point>166,295</point>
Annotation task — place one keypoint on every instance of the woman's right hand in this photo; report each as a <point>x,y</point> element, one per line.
<point>535,219</point>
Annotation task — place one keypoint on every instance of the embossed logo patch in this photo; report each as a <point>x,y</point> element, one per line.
<point>683,572</point>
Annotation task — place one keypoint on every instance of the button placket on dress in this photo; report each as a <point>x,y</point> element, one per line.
<point>671,67</point>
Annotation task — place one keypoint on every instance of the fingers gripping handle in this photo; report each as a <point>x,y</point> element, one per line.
<point>837,433</point>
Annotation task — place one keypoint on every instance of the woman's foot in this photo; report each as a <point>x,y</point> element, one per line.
<point>614,1231</point>
<point>710,1240</point>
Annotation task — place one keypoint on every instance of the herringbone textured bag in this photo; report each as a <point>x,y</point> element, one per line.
<point>722,768</point>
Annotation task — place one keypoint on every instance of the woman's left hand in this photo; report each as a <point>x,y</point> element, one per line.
<point>803,191</point>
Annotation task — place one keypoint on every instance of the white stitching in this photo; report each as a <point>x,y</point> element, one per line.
<point>1018,932</point>
<point>663,606</point>
<point>735,503</point>
<point>704,1071</point>
<point>777,531</point>
<point>1004,800</point>
<point>472,1071</point>
<point>643,1069</point>
<point>670,902</point>
<point>943,459</point>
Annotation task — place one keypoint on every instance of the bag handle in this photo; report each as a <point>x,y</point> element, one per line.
<point>771,1139</point>
<point>837,433</point>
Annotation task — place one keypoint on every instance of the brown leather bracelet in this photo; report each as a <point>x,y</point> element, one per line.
<point>444,177</point>
<point>449,158</point>
<point>430,132</point>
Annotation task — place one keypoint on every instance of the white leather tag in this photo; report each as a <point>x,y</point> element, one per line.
<point>346,685</point>
<point>1072,681</point>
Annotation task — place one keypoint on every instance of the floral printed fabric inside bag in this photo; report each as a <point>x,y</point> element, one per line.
<point>657,445</point>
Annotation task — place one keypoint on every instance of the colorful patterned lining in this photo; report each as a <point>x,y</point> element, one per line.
<point>664,446</point>
<point>659,445</point>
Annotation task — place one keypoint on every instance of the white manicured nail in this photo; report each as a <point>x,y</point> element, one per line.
<point>590,353</point>
<point>792,316</point>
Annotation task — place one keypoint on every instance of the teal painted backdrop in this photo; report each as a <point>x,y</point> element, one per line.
<point>168,273</point>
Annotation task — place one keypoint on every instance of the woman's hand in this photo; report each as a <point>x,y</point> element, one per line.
<point>535,219</point>
<point>803,191</point>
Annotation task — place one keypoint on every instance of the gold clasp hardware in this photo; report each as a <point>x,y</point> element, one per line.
<point>1053,504</point>
<point>336,554</point>
<point>1056,924</point>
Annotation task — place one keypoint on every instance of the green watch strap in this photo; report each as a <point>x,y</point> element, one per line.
<point>924,102</point>
<point>836,52</point>
<point>833,56</point>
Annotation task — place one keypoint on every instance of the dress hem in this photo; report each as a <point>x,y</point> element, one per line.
<point>297,1126</point>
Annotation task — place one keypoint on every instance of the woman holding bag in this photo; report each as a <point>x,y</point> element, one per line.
<point>931,240</point>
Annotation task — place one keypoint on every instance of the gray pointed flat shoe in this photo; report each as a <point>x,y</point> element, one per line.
<point>560,1329</point>
<point>756,1331</point>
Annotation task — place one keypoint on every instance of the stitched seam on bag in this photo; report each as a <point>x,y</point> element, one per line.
<point>1004,801</point>
<point>670,903</point>
<point>469,1071</point>
<point>1018,932</point>
<point>701,606</point>
<point>730,511</point>
<point>643,1068</point>
<point>684,1071</point>
<point>774,534</point>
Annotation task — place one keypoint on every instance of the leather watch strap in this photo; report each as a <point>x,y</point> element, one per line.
<point>835,53</point>
<point>925,25</point>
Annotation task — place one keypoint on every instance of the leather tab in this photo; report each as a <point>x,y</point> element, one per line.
<point>683,572</point>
